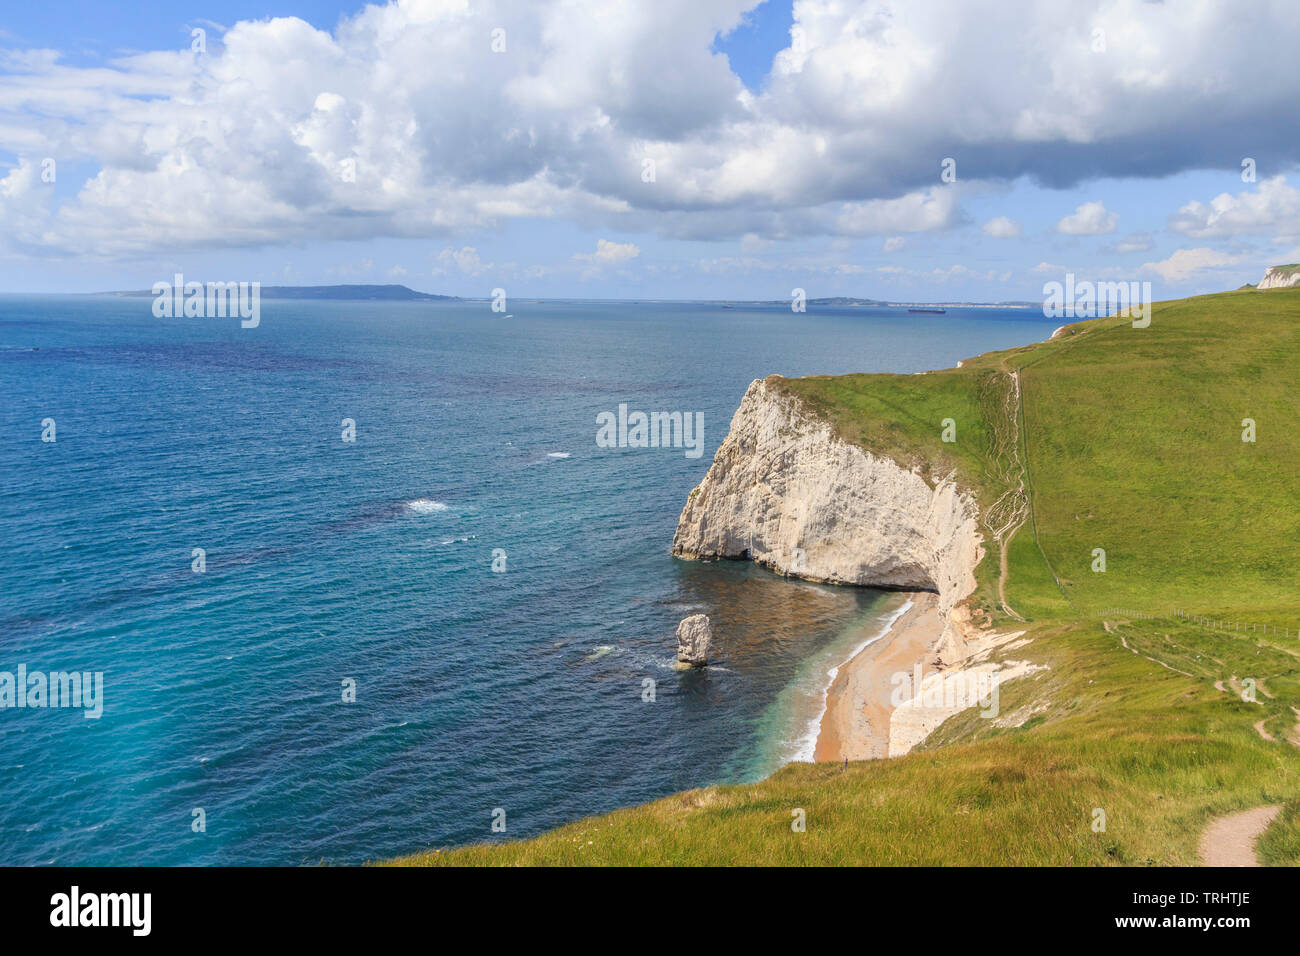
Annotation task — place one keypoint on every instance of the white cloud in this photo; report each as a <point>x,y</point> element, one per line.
<point>1090,219</point>
<point>610,253</point>
<point>810,265</point>
<point>1139,241</point>
<point>1001,228</point>
<point>934,208</point>
<point>466,260</point>
<point>1273,210</point>
<point>401,122</point>
<point>955,271</point>
<point>732,265</point>
<point>1185,263</point>
<point>894,243</point>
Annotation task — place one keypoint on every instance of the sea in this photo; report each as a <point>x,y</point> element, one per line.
<point>362,581</point>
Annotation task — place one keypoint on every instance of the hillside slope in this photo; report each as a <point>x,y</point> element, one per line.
<point>1156,718</point>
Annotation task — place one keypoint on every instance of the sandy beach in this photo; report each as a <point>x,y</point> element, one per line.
<point>856,722</point>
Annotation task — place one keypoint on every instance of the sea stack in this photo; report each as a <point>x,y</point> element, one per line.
<point>694,635</point>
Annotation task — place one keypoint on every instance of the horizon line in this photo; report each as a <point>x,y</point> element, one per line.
<point>144,293</point>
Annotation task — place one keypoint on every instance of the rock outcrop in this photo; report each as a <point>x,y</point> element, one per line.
<point>1278,277</point>
<point>694,637</point>
<point>787,493</point>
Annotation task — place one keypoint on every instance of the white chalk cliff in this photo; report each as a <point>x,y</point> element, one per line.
<point>788,493</point>
<point>1278,277</point>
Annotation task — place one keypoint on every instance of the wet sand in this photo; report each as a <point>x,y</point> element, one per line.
<point>856,722</point>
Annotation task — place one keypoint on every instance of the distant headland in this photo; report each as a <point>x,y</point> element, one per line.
<point>388,293</point>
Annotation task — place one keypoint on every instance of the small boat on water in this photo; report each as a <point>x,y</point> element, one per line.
<point>933,311</point>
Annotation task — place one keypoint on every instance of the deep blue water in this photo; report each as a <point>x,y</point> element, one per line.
<point>372,561</point>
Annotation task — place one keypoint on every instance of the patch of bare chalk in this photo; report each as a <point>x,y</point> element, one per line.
<point>943,694</point>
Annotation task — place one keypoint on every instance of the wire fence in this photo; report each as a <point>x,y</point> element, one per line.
<point>1213,623</point>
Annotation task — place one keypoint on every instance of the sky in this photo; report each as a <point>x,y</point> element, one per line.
<point>676,149</point>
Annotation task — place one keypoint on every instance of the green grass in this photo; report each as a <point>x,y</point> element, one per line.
<point>1135,446</point>
<point>1128,440</point>
<point>1280,844</point>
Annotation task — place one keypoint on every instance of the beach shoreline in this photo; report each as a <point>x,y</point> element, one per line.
<point>855,723</point>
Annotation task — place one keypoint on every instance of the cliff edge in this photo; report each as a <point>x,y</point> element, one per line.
<point>1278,277</point>
<point>787,493</point>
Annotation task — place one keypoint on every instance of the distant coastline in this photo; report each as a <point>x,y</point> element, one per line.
<point>336,293</point>
<point>401,293</point>
<point>852,303</point>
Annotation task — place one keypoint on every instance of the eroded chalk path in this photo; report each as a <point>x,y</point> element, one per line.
<point>1006,515</point>
<point>1230,840</point>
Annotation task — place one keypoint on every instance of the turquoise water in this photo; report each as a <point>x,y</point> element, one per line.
<point>371,561</point>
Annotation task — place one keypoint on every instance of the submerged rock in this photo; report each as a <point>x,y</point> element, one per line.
<point>694,636</point>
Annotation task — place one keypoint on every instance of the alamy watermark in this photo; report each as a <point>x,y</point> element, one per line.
<point>955,691</point>
<point>217,300</point>
<point>75,908</point>
<point>37,689</point>
<point>653,430</point>
<point>1090,300</point>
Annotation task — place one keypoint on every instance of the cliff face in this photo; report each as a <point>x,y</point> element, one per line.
<point>1278,277</point>
<point>786,492</point>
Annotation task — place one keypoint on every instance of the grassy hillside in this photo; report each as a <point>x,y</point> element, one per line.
<point>1111,437</point>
